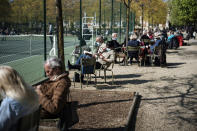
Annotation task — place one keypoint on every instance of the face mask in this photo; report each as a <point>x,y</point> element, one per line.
<point>97,44</point>
<point>114,38</point>
<point>107,49</point>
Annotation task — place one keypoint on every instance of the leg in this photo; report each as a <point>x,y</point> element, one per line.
<point>70,66</point>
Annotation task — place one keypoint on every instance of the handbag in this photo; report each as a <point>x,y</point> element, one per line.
<point>69,116</point>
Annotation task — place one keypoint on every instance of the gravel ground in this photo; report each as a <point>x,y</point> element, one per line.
<point>169,95</point>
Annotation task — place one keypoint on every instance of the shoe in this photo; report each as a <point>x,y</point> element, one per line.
<point>69,65</point>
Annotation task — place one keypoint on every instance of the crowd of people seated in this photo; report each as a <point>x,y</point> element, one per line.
<point>18,99</point>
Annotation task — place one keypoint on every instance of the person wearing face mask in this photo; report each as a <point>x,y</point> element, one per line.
<point>99,44</point>
<point>106,57</point>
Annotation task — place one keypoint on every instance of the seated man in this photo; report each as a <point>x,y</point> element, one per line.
<point>99,42</point>
<point>77,65</point>
<point>106,57</point>
<point>116,46</point>
<point>54,92</point>
<point>144,38</point>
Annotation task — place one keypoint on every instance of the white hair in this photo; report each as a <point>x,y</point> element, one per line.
<point>53,62</point>
<point>113,34</point>
<point>133,36</point>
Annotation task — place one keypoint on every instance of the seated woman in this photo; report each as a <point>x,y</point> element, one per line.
<point>18,98</point>
<point>54,92</point>
<point>133,48</point>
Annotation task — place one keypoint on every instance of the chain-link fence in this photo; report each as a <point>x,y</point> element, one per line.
<point>22,31</point>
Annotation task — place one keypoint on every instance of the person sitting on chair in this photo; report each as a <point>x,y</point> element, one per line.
<point>106,57</point>
<point>18,99</point>
<point>86,54</point>
<point>116,46</point>
<point>133,44</point>
<point>99,44</point>
<point>54,92</point>
<point>156,44</point>
<point>144,38</point>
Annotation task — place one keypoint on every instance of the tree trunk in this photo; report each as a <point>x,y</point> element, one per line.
<point>127,30</point>
<point>60,36</point>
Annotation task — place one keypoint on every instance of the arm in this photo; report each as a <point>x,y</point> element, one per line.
<point>110,58</point>
<point>56,103</point>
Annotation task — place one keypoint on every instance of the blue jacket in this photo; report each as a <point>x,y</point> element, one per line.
<point>10,112</point>
<point>170,37</point>
<point>155,45</point>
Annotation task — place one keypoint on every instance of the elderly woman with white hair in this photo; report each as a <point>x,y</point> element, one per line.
<point>18,98</point>
<point>133,48</point>
<point>54,92</point>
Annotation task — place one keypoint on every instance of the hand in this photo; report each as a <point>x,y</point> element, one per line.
<point>38,91</point>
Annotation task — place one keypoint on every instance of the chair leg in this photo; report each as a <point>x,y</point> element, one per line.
<point>80,80</point>
<point>88,75</point>
<point>112,77</point>
<point>105,75</point>
<point>95,80</point>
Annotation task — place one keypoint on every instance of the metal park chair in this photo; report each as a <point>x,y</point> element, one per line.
<point>106,68</point>
<point>87,69</point>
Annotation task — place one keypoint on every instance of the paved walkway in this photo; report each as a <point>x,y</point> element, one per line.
<point>169,95</point>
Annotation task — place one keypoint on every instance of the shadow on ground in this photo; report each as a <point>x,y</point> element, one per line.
<point>183,105</point>
<point>104,102</point>
<point>174,65</point>
<point>103,129</point>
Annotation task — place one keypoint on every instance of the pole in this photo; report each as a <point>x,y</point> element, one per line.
<point>112,13</point>
<point>120,32</point>
<point>60,33</point>
<point>127,31</point>
<point>45,34</point>
<point>80,26</point>
<point>100,17</point>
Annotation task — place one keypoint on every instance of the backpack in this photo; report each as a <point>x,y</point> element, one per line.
<point>76,77</point>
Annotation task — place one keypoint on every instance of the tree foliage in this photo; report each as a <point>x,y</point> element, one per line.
<point>156,9</point>
<point>31,11</point>
<point>183,12</point>
<point>5,9</point>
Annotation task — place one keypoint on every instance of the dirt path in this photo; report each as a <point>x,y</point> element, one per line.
<point>169,95</point>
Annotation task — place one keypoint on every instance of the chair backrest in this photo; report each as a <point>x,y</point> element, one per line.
<point>146,41</point>
<point>133,48</point>
<point>30,122</point>
<point>88,65</point>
